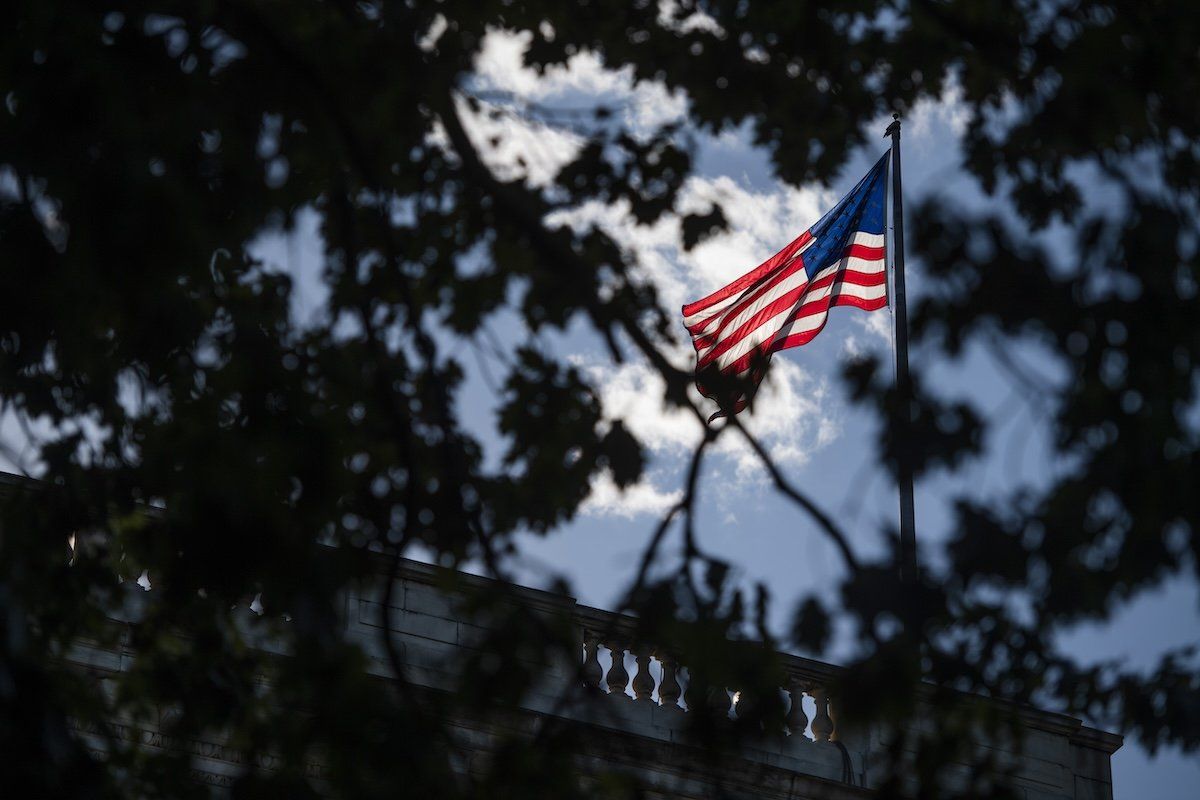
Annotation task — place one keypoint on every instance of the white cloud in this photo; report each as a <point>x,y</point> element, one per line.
<point>790,414</point>
<point>500,59</point>
<point>513,147</point>
<point>931,117</point>
<point>429,41</point>
<point>607,499</point>
<point>517,143</point>
<point>760,223</point>
<point>643,105</point>
<point>671,16</point>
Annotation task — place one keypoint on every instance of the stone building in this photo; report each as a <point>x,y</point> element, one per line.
<point>635,714</point>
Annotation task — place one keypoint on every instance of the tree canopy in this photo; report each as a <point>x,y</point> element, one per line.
<point>187,423</point>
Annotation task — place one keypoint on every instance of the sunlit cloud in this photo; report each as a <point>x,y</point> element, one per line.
<point>792,414</point>
<point>641,105</point>
<point>606,499</point>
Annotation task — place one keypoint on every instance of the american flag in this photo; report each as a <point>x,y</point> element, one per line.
<point>785,301</point>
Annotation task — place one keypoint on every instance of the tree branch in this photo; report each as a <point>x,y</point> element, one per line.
<point>822,519</point>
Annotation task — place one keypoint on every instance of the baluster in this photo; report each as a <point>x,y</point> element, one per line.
<point>822,724</point>
<point>669,690</point>
<point>796,719</point>
<point>618,676</point>
<point>643,681</point>
<point>592,672</point>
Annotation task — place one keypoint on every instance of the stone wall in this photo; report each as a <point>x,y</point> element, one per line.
<point>633,716</point>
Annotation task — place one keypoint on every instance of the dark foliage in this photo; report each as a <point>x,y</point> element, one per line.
<point>143,145</point>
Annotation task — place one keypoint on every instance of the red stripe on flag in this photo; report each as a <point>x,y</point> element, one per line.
<point>732,311</point>
<point>750,278</point>
<point>822,305</point>
<point>727,340</point>
<point>864,251</point>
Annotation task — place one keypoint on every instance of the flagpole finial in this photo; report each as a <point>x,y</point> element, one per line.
<point>894,128</point>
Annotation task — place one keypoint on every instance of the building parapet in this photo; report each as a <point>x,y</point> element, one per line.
<point>634,699</point>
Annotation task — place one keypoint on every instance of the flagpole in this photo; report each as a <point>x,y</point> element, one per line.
<point>903,420</point>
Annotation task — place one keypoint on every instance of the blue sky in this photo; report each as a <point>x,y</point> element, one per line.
<point>825,445</point>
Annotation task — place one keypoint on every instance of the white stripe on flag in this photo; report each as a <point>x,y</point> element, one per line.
<point>795,281</point>
<point>765,331</point>
<point>715,309</point>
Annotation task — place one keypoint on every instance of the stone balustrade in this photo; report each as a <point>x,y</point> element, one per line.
<point>637,700</point>
<point>660,678</point>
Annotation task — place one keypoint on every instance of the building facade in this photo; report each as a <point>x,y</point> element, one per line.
<point>634,707</point>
